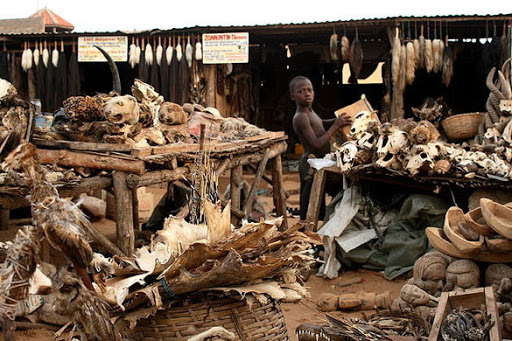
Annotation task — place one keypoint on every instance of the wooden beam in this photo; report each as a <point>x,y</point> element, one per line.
<point>278,190</point>
<point>75,159</point>
<point>124,213</point>
<point>315,197</point>
<point>252,192</point>
<point>76,145</point>
<point>86,185</point>
<point>156,177</point>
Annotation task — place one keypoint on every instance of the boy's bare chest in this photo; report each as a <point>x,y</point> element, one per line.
<point>316,124</point>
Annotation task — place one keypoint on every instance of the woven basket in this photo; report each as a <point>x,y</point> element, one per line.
<point>180,322</point>
<point>462,126</point>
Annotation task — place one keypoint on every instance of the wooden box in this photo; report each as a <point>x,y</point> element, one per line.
<point>352,110</point>
<point>471,298</point>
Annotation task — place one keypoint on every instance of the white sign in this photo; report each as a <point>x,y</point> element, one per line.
<point>116,47</point>
<point>223,48</point>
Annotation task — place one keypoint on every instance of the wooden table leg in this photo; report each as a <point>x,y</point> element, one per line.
<point>315,197</point>
<point>124,213</point>
<point>257,179</point>
<point>278,190</point>
<point>234,192</point>
<point>135,210</point>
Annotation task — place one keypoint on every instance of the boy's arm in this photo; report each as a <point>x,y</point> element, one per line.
<point>328,123</point>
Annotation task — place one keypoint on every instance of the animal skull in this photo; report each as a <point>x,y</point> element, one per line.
<point>421,160</point>
<point>361,122</point>
<point>366,141</point>
<point>346,155</point>
<point>391,143</point>
<point>122,110</point>
<point>389,161</point>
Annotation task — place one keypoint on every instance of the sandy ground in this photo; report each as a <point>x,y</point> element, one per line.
<point>295,314</point>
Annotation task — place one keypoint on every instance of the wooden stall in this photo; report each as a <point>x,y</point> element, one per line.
<point>128,169</point>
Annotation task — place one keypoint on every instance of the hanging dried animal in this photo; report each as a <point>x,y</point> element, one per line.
<point>189,52</point>
<point>169,52</point>
<point>417,53</point>
<point>333,47</point>
<point>402,79</point>
<point>356,59</point>
<point>132,54</point>
<point>83,109</point>
<point>395,58</point>
<point>46,55</point>
<point>410,66</point>
<point>199,50</point>
<point>37,54</point>
<point>345,48</point>
<point>27,58</point>
<point>422,48</point>
<point>179,51</point>
<point>429,56</point>
<point>447,65</point>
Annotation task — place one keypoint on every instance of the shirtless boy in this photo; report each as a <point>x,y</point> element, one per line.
<point>311,131</point>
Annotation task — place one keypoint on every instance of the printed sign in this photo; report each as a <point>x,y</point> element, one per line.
<point>223,48</point>
<point>116,47</point>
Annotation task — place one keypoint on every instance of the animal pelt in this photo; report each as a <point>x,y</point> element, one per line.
<point>36,54</point>
<point>83,109</point>
<point>122,110</point>
<point>421,46</point>
<point>132,55</point>
<point>432,110</point>
<point>423,133</point>
<point>333,47</point>
<point>46,57</point>
<point>355,60</point>
<point>159,53</point>
<point>429,56</point>
<point>172,113</point>
<point>345,48</point>
<point>447,65</point>
<point>402,79</point>
<point>410,65</point>
<point>168,54</point>
<point>395,59</point>
<point>145,116</point>
<point>89,312</point>
<point>148,54</point>
<point>189,52</point>
<point>55,57</point>
<point>438,47</point>
<point>199,51</point>
<point>417,52</point>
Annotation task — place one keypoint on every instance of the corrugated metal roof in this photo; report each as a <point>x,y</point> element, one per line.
<point>21,26</point>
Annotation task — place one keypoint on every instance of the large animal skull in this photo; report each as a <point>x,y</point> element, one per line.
<point>422,158</point>
<point>122,110</point>
<point>361,122</point>
<point>392,144</point>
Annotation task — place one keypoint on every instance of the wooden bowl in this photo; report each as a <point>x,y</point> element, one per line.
<point>497,216</point>
<point>455,216</point>
<point>476,222</point>
<point>498,244</point>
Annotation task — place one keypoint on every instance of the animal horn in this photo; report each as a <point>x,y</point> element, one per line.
<point>490,85</point>
<point>116,80</point>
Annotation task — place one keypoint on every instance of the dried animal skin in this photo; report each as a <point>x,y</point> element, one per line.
<point>429,55</point>
<point>402,80</point>
<point>172,113</point>
<point>199,51</point>
<point>410,63</point>
<point>422,48</point>
<point>46,57</point>
<point>395,59</point>
<point>447,66</point>
<point>333,47</point>
<point>417,53</point>
<point>55,57</point>
<point>179,52</point>
<point>355,60</point>
<point>131,55</point>
<point>436,50</point>
<point>168,54</point>
<point>189,51</point>
<point>36,55</point>
<point>159,52</point>
<point>122,110</point>
<point>345,48</point>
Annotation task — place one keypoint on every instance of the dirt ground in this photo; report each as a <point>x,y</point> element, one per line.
<point>295,314</point>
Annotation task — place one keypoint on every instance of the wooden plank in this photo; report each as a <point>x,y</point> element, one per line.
<point>278,190</point>
<point>234,191</point>
<point>492,309</point>
<point>75,159</point>
<point>257,179</point>
<point>441,313</point>
<point>315,197</point>
<point>76,145</point>
<point>156,177</point>
<point>124,213</point>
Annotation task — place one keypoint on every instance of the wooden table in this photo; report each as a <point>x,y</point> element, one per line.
<point>130,169</point>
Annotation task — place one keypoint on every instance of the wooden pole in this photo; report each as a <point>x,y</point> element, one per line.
<point>315,197</point>
<point>250,198</point>
<point>135,205</point>
<point>157,177</point>
<point>234,193</point>
<point>124,213</point>
<point>278,190</point>
<point>76,159</point>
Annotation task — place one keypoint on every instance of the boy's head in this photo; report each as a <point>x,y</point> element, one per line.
<point>301,90</point>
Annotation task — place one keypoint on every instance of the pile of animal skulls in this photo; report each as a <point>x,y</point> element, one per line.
<point>415,147</point>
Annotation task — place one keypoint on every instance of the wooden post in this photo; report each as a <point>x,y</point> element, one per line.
<point>4,219</point>
<point>135,204</point>
<point>124,213</point>
<point>259,174</point>
<point>278,190</point>
<point>234,188</point>
<point>315,197</point>
<point>211,82</point>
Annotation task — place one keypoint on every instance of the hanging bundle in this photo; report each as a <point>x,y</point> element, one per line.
<point>355,59</point>
<point>168,52</point>
<point>179,51</point>
<point>148,54</point>
<point>199,49</point>
<point>159,52</point>
<point>395,58</point>
<point>26,57</point>
<point>437,48</point>
<point>36,55</point>
<point>46,55</point>
<point>417,48</point>
<point>55,55</point>
<point>333,46</point>
<point>422,48</point>
<point>447,63</point>
<point>132,54</point>
<point>189,51</point>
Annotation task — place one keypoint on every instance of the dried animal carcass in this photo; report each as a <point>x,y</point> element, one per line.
<point>432,110</point>
<point>172,114</point>
<point>333,46</point>
<point>236,128</point>
<point>356,59</point>
<point>83,109</point>
<point>423,133</point>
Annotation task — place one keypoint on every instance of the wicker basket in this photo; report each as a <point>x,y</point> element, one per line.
<point>462,126</point>
<point>249,323</point>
